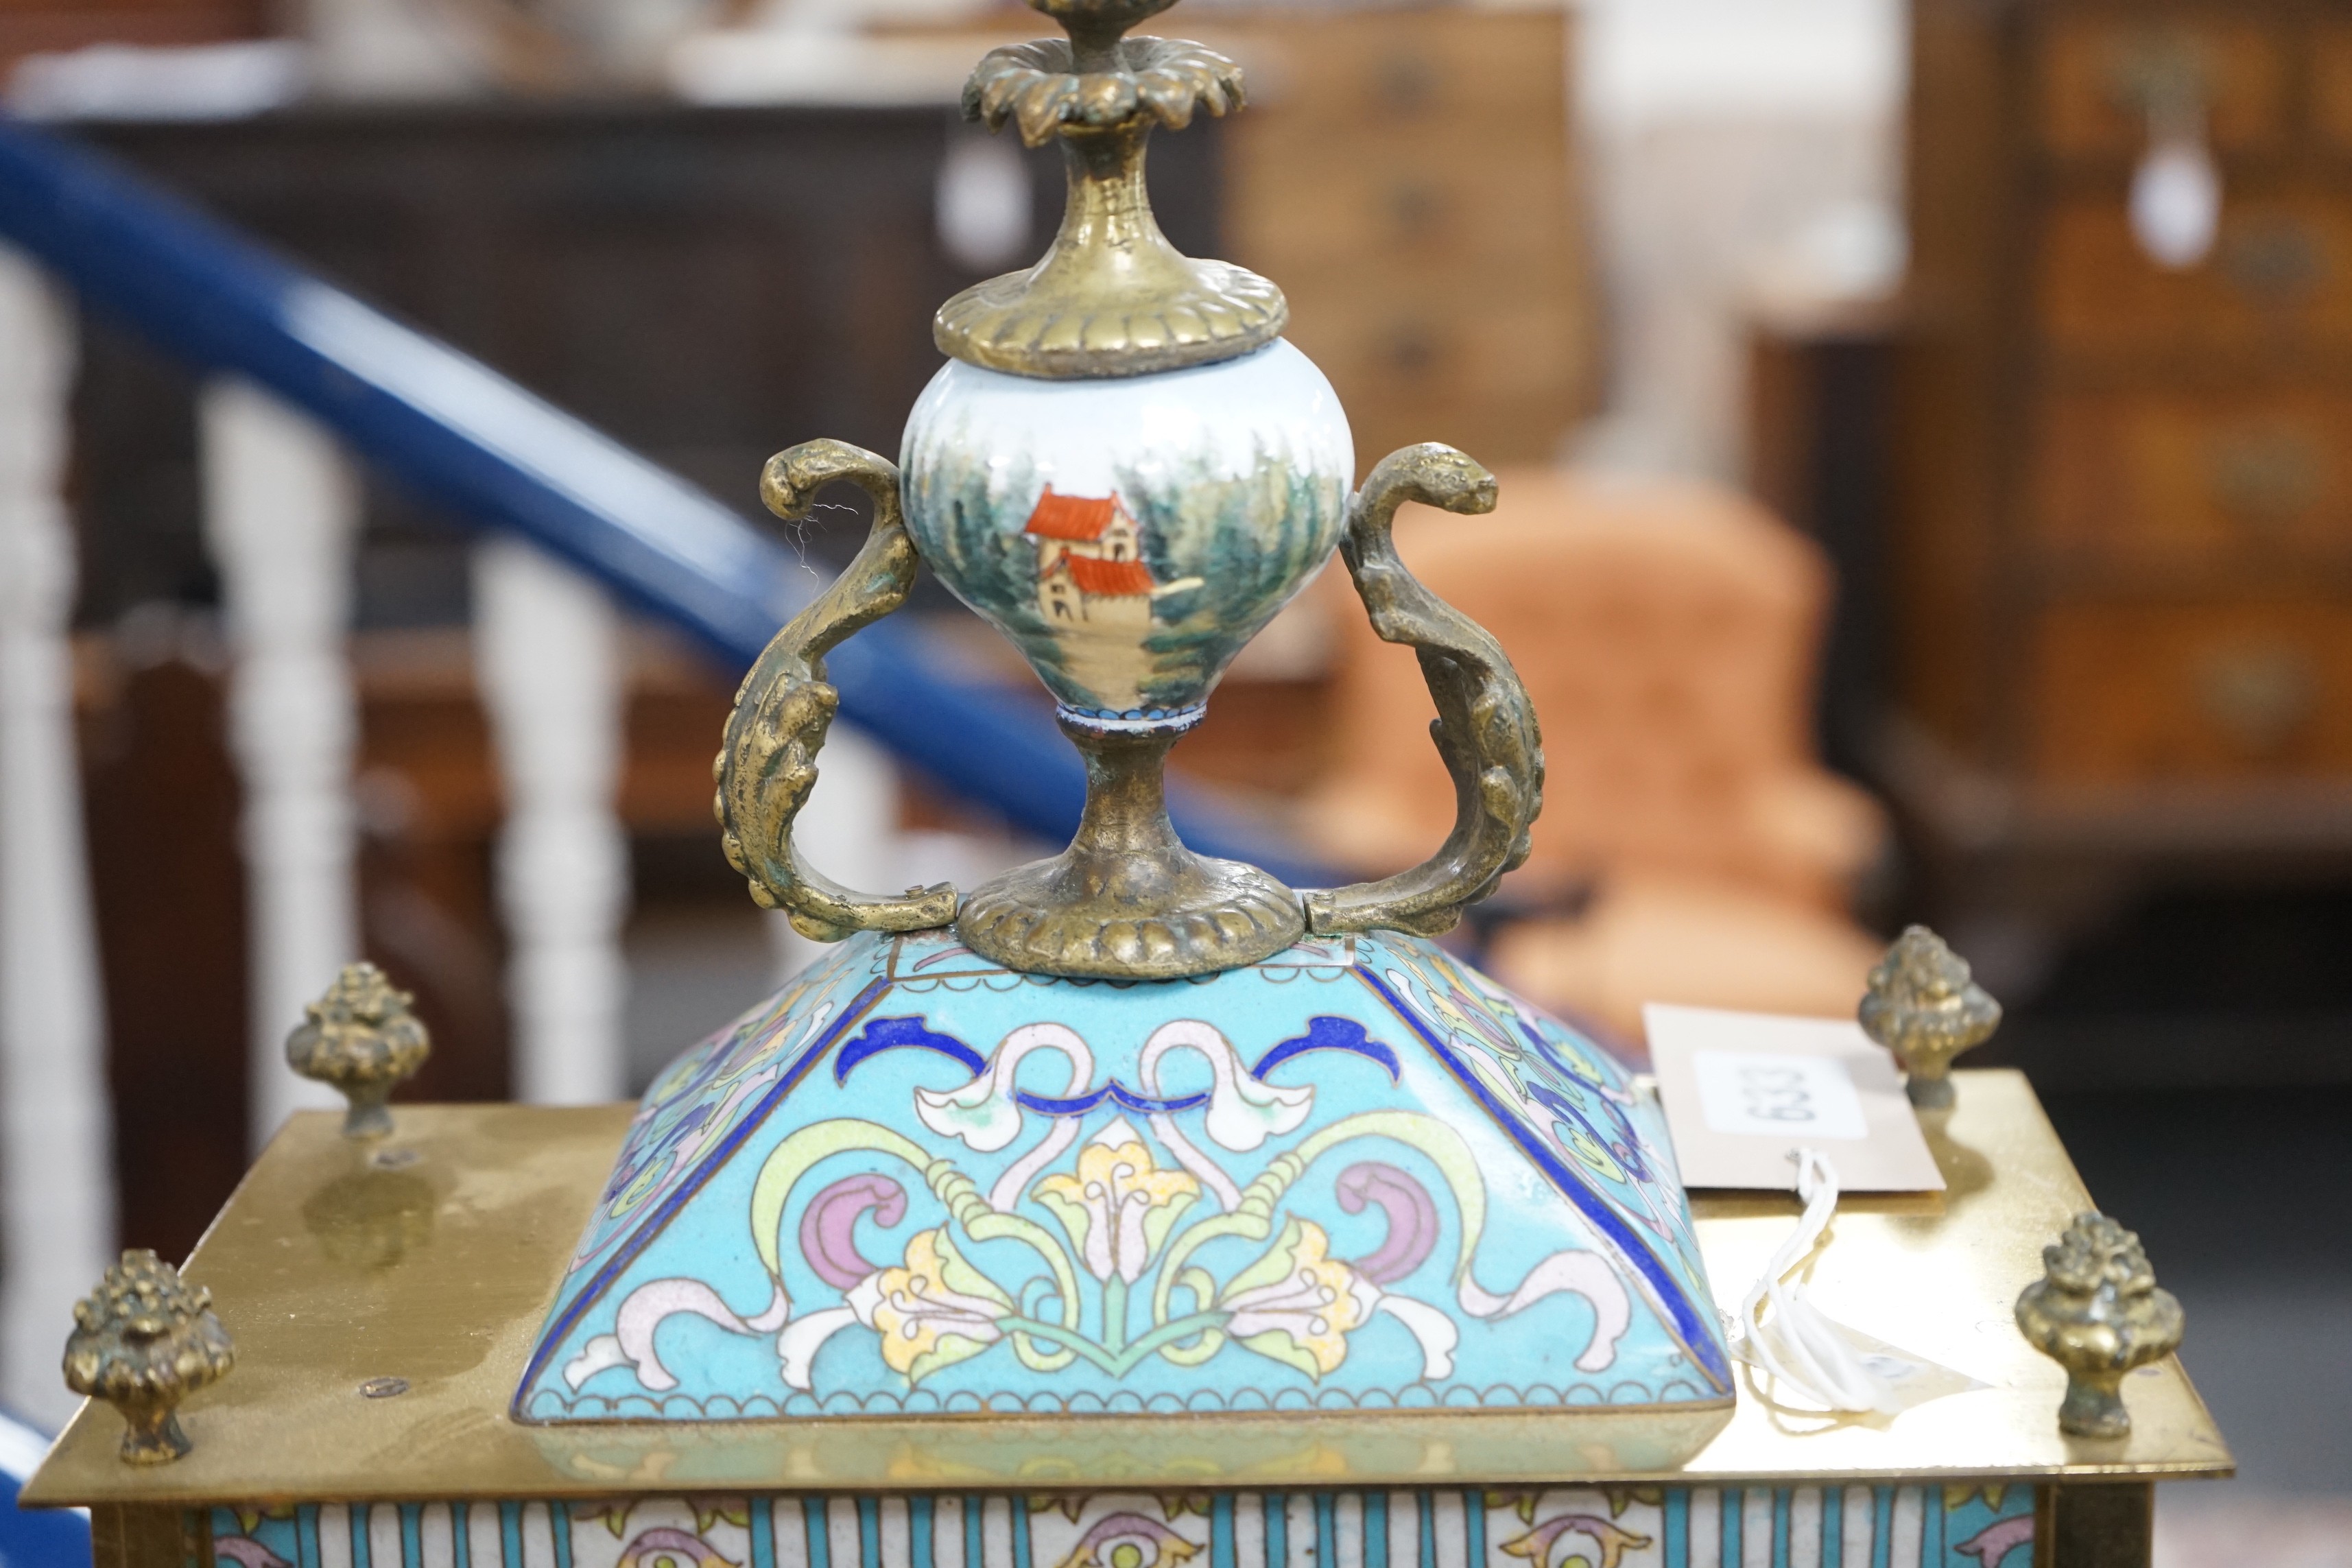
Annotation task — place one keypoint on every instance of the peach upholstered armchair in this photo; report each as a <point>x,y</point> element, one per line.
<point>1691,849</point>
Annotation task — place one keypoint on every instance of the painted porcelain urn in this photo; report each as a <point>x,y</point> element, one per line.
<point>1132,1131</point>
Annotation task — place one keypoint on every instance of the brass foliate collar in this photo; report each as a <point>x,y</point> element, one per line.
<point>1112,296</point>
<point>1037,87</point>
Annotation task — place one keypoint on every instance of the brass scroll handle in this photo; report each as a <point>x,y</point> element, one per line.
<point>1486,727</point>
<point>767,764</point>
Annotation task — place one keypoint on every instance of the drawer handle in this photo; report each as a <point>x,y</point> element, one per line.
<point>1404,84</point>
<point>2279,263</point>
<point>2259,696</point>
<point>2267,477</point>
<point>2163,74</point>
<point>1411,349</point>
<point>1414,206</point>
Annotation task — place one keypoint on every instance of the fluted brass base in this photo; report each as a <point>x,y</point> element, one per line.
<point>1061,917</point>
<point>1126,900</point>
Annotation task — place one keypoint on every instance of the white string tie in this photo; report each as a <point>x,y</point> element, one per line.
<point>1799,1347</point>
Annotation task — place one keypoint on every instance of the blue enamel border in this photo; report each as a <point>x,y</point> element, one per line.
<point>1695,1333</point>
<point>559,1327</point>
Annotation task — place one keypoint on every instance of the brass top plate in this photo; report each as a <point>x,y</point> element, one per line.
<point>337,1262</point>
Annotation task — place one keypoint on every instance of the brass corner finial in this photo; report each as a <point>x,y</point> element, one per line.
<point>1111,296</point>
<point>2097,1312</point>
<point>1923,1006</point>
<point>361,1037</point>
<point>143,1342</point>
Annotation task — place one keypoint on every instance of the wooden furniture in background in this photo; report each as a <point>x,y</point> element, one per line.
<point>2123,574</point>
<point>1820,390</point>
<point>1406,176</point>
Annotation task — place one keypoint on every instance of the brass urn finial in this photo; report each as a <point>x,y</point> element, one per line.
<point>1923,1006</point>
<point>2097,1312</point>
<point>361,1037</point>
<point>1111,296</point>
<point>143,1342</point>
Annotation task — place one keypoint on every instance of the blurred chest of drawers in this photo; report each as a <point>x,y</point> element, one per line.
<point>1405,175</point>
<point>2124,560</point>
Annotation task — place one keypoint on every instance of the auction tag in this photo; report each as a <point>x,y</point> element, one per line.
<point>1770,1095</point>
<point>1742,1090</point>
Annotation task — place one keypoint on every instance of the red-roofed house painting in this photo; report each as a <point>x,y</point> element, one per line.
<point>1129,534</point>
<point>1089,561</point>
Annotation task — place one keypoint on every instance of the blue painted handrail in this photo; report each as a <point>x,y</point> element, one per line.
<point>494,455</point>
<point>35,1538</point>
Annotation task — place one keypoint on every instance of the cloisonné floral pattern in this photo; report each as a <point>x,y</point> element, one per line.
<point>1354,1175</point>
<point>1966,1525</point>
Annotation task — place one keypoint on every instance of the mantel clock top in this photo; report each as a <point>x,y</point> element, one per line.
<point>1132,1128</point>
<point>1132,1207</point>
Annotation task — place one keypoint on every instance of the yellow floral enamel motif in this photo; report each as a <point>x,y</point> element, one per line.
<point>1120,1250</point>
<point>1297,1303</point>
<point>1118,1207</point>
<point>931,1311</point>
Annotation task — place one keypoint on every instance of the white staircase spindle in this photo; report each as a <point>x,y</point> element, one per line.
<point>56,1188</point>
<point>282,507</point>
<point>547,656</point>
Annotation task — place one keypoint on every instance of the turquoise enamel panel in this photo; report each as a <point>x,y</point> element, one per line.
<point>1969,1525</point>
<point>1358,1175</point>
